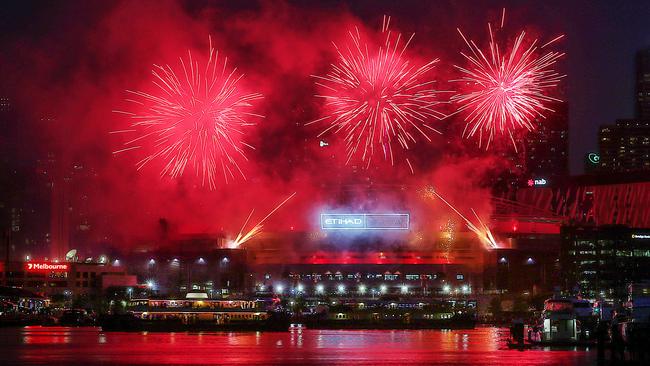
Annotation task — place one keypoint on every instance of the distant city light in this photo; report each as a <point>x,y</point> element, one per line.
<point>27,258</point>
<point>465,289</point>
<point>503,260</point>
<point>152,262</point>
<point>320,288</point>
<point>341,288</point>
<point>404,289</point>
<point>225,260</point>
<point>279,288</point>
<point>116,262</point>
<point>362,289</point>
<point>530,261</point>
<point>201,261</point>
<point>446,289</point>
<point>151,284</point>
<point>383,289</point>
<point>300,287</point>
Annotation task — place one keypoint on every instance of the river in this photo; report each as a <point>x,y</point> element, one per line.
<point>91,346</point>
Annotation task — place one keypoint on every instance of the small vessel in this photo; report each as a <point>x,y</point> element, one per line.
<point>198,315</point>
<point>76,318</point>
<point>565,320</point>
<point>393,314</point>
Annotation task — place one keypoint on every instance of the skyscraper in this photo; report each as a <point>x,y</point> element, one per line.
<point>625,146</point>
<point>643,84</point>
<point>547,146</point>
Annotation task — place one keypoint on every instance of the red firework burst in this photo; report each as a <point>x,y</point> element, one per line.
<point>377,98</point>
<point>505,89</point>
<point>197,118</point>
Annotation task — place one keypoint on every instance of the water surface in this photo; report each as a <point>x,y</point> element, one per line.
<point>91,346</point>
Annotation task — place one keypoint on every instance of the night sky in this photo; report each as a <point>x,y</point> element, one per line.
<point>73,61</point>
<point>602,37</point>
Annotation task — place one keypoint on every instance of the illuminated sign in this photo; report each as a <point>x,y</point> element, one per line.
<point>44,267</point>
<point>593,158</point>
<point>640,236</point>
<point>364,221</point>
<point>538,182</point>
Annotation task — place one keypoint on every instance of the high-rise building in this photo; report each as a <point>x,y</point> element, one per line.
<point>603,260</point>
<point>22,209</point>
<point>643,84</point>
<point>542,154</point>
<point>547,146</point>
<point>625,147</point>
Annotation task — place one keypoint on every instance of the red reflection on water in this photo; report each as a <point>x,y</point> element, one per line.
<point>482,346</point>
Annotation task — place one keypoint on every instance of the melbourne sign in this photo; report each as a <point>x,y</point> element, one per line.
<point>364,221</point>
<point>43,267</point>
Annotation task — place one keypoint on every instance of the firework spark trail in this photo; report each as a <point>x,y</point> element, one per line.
<point>196,118</point>
<point>506,89</point>
<point>481,230</point>
<point>448,244</point>
<point>242,238</point>
<point>377,99</point>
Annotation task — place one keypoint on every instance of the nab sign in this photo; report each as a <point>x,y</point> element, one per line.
<point>46,267</point>
<point>364,221</point>
<point>537,182</point>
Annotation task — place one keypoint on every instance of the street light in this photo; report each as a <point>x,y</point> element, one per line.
<point>300,287</point>
<point>404,289</point>
<point>320,289</point>
<point>446,289</point>
<point>341,288</point>
<point>151,284</point>
<point>362,288</point>
<point>383,289</point>
<point>279,288</point>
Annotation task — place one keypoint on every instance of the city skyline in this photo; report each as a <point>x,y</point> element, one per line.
<point>324,182</point>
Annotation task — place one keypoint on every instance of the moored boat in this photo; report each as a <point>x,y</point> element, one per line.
<point>197,315</point>
<point>394,314</point>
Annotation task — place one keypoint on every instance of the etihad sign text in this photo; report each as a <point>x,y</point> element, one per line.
<point>365,221</point>
<point>343,221</point>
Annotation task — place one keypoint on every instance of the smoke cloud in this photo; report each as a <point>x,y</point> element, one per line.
<point>79,77</point>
